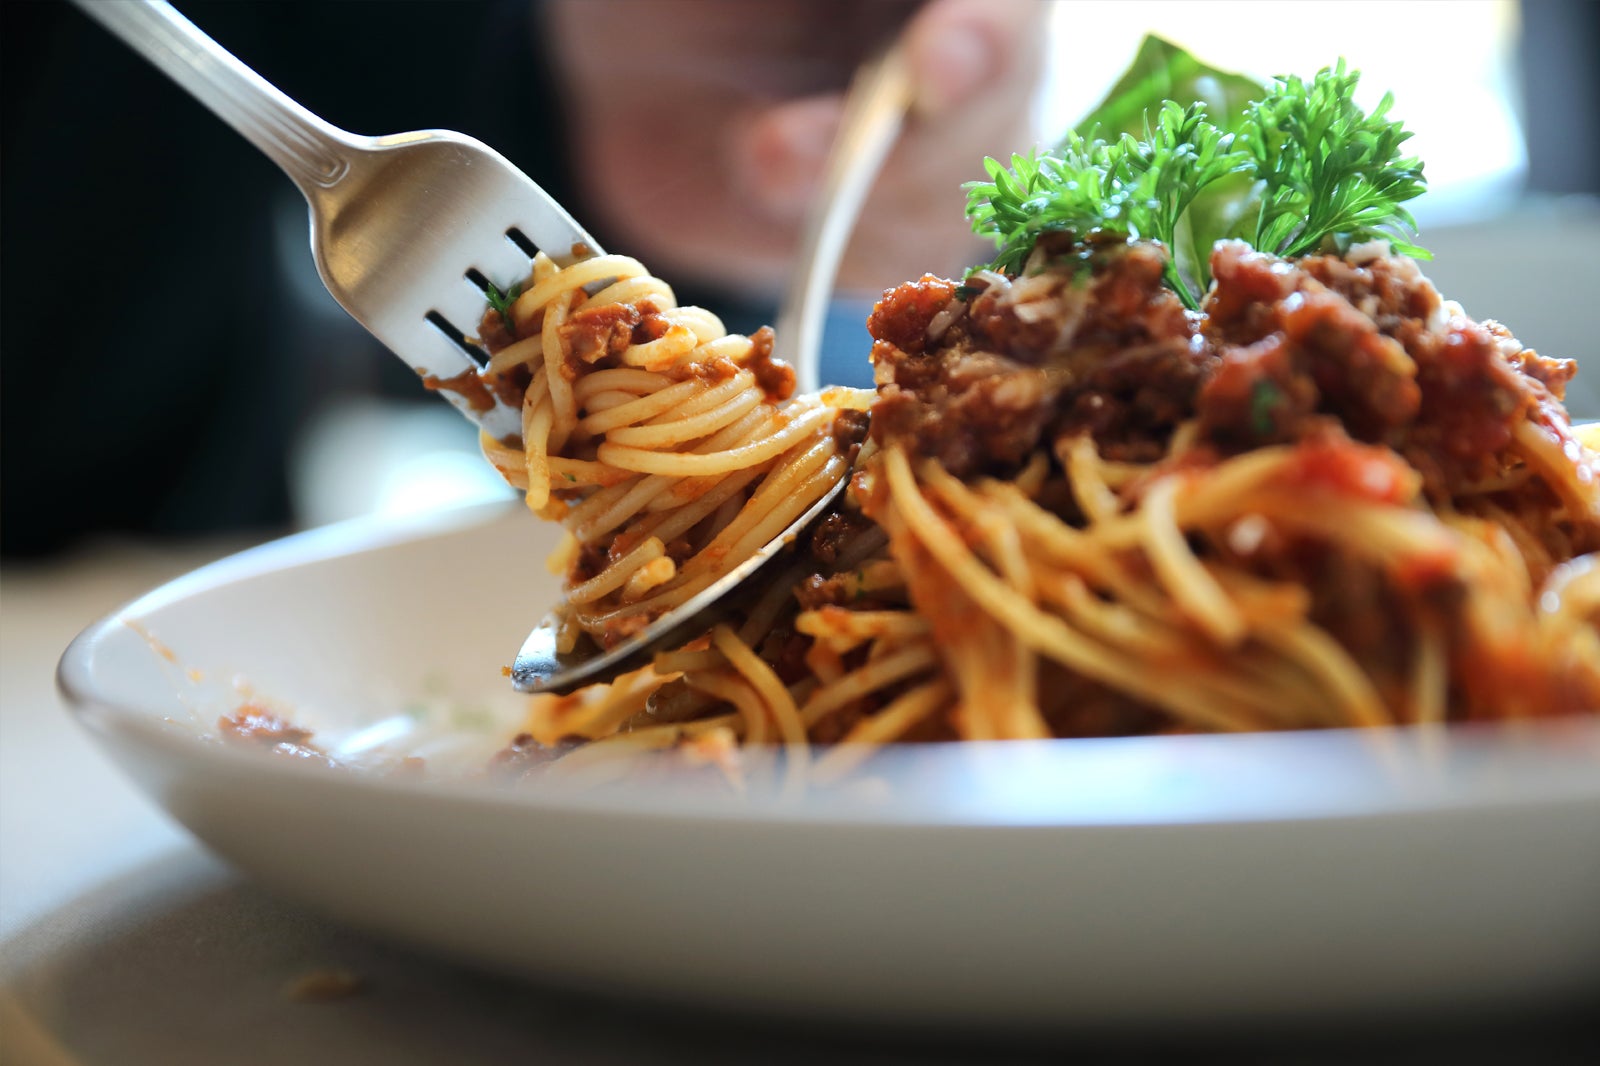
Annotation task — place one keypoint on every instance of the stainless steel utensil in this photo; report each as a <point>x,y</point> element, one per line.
<point>539,667</point>
<point>406,229</point>
<point>874,111</point>
<point>409,229</point>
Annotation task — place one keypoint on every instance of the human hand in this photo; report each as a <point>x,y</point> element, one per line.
<point>701,127</point>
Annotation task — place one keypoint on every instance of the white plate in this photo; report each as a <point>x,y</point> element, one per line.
<point>1151,878</point>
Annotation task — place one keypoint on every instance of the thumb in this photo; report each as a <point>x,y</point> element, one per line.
<point>783,150</point>
<point>957,49</point>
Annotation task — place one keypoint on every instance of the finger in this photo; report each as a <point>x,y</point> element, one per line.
<point>783,150</point>
<point>917,211</point>
<point>957,49</point>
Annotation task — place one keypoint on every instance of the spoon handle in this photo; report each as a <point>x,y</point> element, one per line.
<point>874,112</point>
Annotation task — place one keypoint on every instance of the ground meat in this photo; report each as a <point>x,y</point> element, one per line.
<point>1364,376</point>
<point>524,756</point>
<point>494,331</point>
<point>835,590</point>
<point>1280,352</point>
<point>1472,398</point>
<point>1026,320</point>
<point>1133,400</point>
<point>467,384</point>
<point>901,318</point>
<point>255,725</point>
<point>718,369</point>
<point>850,429</point>
<point>776,378</point>
<point>596,332</point>
<point>1241,307</point>
<point>1553,374</point>
<point>1072,318</point>
<point>1292,346</point>
<point>1257,395</point>
<point>785,651</point>
<point>653,325</point>
<point>1391,291</point>
<point>987,414</point>
<point>1036,358</point>
<point>1370,345</point>
<point>834,532</point>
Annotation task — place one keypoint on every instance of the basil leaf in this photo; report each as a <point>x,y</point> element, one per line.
<point>1162,71</point>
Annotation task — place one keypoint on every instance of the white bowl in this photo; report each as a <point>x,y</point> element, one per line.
<point>1230,878</point>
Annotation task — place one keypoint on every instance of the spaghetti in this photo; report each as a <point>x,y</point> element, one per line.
<point>1328,498</point>
<point>669,448</point>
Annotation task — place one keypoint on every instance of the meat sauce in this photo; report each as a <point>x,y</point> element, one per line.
<point>467,384</point>
<point>1280,352</point>
<point>596,337</point>
<point>1388,395</point>
<point>1115,356</point>
<point>258,727</point>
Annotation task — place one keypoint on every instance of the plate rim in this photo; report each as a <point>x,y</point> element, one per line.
<point>110,722</point>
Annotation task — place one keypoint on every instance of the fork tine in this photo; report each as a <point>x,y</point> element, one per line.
<point>552,230</point>
<point>462,304</point>
<point>504,265</point>
<point>439,359</point>
<point>396,221</point>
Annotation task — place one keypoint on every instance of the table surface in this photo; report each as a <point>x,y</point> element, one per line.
<point>122,941</point>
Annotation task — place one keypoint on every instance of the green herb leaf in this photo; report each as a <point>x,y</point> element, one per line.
<point>1070,191</point>
<point>1332,174</point>
<point>502,302</point>
<point>1161,71</point>
<point>1176,161</point>
<point>1264,397</point>
<point>1300,169</point>
<point>1140,187</point>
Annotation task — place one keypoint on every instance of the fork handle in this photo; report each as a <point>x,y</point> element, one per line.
<point>311,151</point>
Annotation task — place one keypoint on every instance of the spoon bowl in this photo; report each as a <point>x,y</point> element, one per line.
<point>539,667</point>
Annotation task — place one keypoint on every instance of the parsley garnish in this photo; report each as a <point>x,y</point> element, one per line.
<point>1264,396</point>
<point>502,302</point>
<point>1299,169</point>
<point>1329,170</point>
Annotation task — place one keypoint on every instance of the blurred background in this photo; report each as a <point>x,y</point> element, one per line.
<point>170,366</point>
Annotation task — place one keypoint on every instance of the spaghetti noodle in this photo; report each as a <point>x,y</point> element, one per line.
<point>1328,498</point>
<point>669,448</point>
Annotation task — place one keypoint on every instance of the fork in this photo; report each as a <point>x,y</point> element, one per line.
<point>407,230</point>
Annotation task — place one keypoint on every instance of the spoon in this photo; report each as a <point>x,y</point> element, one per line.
<point>874,111</point>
